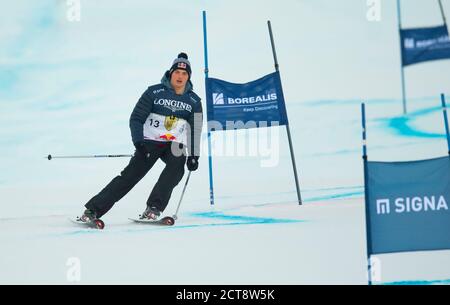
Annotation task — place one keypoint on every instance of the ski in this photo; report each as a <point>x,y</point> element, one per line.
<point>96,224</point>
<point>165,221</point>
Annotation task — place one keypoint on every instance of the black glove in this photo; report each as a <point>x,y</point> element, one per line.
<point>142,149</point>
<point>192,163</point>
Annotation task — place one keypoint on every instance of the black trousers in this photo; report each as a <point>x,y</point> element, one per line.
<point>135,171</point>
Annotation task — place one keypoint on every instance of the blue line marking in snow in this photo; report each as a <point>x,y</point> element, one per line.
<point>232,220</point>
<point>402,124</point>
<point>335,196</point>
<point>84,231</point>
<point>434,282</point>
<point>340,193</point>
<point>333,188</point>
<point>340,102</point>
<point>243,219</point>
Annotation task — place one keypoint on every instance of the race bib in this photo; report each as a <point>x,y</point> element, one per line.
<point>165,128</point>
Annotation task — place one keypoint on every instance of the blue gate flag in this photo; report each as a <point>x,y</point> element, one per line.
<point>260,101</point>
<point>424,44</point>
<point>407,205</point>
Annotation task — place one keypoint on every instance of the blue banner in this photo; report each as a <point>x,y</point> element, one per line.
<point>259,103</point>
<point>424,44</point>
<point>407,205</point>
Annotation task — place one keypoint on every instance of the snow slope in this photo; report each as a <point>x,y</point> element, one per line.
<point>256,232</point>
<point>68,88</point>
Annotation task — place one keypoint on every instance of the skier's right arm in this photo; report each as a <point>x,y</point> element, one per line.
<point>139,115</point>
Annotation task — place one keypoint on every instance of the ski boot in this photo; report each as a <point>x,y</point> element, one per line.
<point>150,213</point>
<point>90,218</point>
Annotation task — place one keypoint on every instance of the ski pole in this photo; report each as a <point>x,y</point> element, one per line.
<point>87,156</point>
<point>182,194</point>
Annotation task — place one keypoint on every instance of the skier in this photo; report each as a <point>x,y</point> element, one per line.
<point>166,121</point>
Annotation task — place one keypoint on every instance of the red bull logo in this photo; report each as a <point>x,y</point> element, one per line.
<point>167,137</point>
